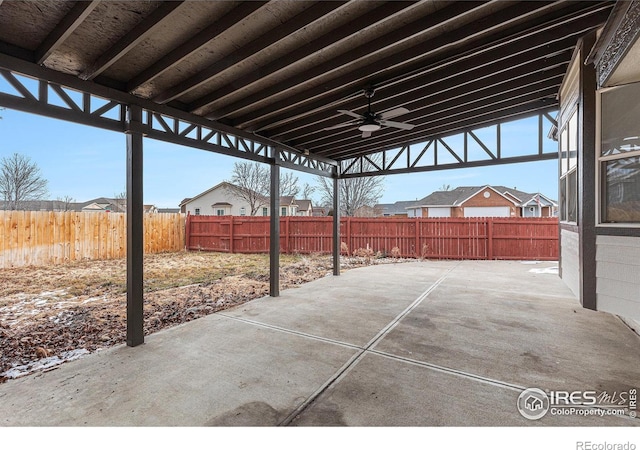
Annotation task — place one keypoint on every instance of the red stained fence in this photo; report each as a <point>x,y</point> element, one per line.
<point>442,238</point>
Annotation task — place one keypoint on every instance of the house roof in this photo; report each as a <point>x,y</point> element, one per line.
<point>396,208</point>
<point>303,205</point>
<point>287,200</point>
<point>459,195</point>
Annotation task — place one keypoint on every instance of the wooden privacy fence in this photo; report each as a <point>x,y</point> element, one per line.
<point>44,237</point>
<point>442,238</point>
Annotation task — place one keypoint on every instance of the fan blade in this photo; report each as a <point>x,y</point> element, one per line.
<point>351,113</point>
<point>341,125</point>
<point>402,126</point>
<point>393,113</point>
<point>366,134</point>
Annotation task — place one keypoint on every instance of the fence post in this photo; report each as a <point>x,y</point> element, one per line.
<point>187,232</point>
<point>418,249</point>
<point>348,236</point>
<point>286,234</point>
<point>489,238</point>
<point>230,234</point>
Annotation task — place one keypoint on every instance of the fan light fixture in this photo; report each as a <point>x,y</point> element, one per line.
<point>369,127</point>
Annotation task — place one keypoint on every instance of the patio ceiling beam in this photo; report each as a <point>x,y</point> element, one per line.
<point>441,121</point>
<point>399,64</point>
<point>473,120</point>
<point>40,103</point>
<point>130,40</point>
<point>449,82</point>
<point>414,60</point>
<point>450,166</point>
<point>304,19</point>
<point>419,26</point>
<point>63,29</point>
<point>181,52</point>
<point>430,155</point>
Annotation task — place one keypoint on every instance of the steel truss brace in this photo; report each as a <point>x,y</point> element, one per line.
<point>439,153</point>
<point>64,97</point>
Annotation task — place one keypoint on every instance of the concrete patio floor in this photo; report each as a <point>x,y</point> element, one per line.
<point>433,343</point>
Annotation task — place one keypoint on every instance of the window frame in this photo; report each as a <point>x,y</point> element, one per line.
<point>601,162</point>
<point>566,175</point>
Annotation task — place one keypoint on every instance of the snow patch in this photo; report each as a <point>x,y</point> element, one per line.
<point>45,363</point>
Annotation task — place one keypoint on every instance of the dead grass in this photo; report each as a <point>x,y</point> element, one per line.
<point>55,310</point>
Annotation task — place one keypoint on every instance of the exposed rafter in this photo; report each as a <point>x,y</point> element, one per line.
<point>130,40</point>
<point>178,54</point>
<point>302,20</point>
<point>63,30</point>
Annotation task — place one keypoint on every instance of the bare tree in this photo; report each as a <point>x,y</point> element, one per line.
<point>355,193</point>
<point>66,201</point>
<point>289,185</point>
<point>121,200</point>
<point>445,187</point>
<point>252,183</point>
<point>20,180</point>
<point>307,191</point>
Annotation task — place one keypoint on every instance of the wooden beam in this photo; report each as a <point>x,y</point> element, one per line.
<point>130,40</point>
<point>300,21</point>
<point>63,30</point>
<point>183,51</point>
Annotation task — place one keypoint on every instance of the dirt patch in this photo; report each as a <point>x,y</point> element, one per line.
<point>52,314</point>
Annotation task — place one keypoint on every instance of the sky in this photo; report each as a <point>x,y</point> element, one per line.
<point>84,163</point>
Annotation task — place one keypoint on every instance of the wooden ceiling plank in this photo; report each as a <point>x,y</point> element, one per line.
<point>63,29</point>
<point>304,19</point>
<point>130,40</point>
<point>330,38</point>
<point>181,52</point>
<point>544,29</point>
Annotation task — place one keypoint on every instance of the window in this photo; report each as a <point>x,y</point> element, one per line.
<point>243,211</point>
<point>619,156</point>
<point>219,212</point>
<point>283,211</point>
<point>568,169</point>
<point>197,211</point>
<point>265,212</point>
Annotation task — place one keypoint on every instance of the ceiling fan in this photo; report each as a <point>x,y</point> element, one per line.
<point>371,121</point>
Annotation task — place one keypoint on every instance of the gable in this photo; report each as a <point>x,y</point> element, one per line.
<point>488,197</point>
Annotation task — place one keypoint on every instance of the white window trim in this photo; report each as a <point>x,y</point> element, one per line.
<point>601,159</point>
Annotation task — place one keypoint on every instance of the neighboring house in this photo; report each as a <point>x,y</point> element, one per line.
<point>320,211</point>
<point>397,209</point>
<point>483,201</point>
<point>224,200</point>
<point>103,204</point>
<point>40,205</point>
<point>221,200</point>
<point>288,206</point>
<point>367,211</point>
<point>168,210</point>
<point>150,209</point>
<point>305,208</point>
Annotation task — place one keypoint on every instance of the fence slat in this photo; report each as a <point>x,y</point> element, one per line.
<point>442,238</point>
<point>44,237</point>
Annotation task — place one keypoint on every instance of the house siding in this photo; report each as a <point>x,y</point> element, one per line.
<point>569,260</point>
<point>617,281</point>
<point>494,199</point>
<point>221,195</point>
